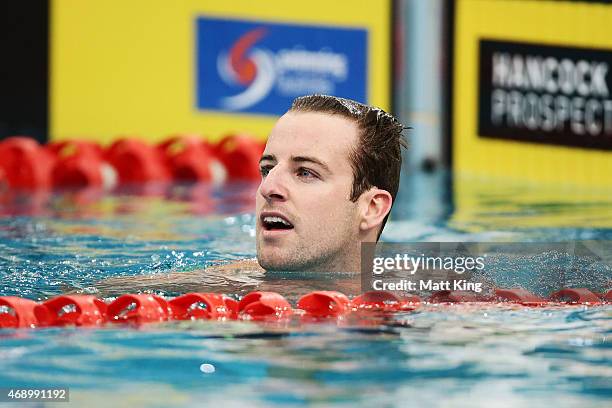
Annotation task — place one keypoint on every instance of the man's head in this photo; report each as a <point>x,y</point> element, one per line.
<point>330,174</point>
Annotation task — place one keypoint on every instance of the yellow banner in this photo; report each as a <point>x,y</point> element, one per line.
<point>129,67</point>
<point>532,91</point>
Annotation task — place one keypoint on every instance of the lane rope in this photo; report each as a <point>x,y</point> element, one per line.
<point>88,310</point>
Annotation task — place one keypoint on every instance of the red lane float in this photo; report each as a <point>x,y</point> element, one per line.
<point>264,305</point>
<point>382,301</point>
<point>74,146</point>
<point>3,180</point>
<point>77,310</point>
<point>78,164</point>
<point>137,162</point>
<point>138,309</point>
<point>87,310</point>
<point>240,155</point>
<point>575,295</point>
<point>207,306</point>
<point>324,303</point>
<point>189,158</point>
<point>18,312</point>
<point>25,163</point>
<point>519,296</point>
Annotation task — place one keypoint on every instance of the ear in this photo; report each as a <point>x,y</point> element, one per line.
<point>375,205</point>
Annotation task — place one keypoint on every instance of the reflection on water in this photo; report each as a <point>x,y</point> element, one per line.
<point>445,207</point>
<point>435,356</point>
<point>68,241</point>
<point>491,205</point>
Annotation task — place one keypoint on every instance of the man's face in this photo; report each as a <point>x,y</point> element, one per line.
<point>305,219</point>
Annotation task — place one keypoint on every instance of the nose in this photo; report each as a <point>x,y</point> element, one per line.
<point>273,186</point>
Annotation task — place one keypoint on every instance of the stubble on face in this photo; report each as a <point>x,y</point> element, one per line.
<point>327,253</point>
<point>325,237</point>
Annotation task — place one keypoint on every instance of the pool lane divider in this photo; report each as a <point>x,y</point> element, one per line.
<point>74,164</point>
<point>88,310</point>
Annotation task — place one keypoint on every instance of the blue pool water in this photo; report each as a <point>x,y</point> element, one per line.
<point>461,355</point>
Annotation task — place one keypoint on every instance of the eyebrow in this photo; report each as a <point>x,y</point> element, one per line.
<point>267,157</point>
<point>298,159</point>
<point>307,159</point>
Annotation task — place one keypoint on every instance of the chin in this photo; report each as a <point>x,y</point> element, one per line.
<point>267,257</point>
<point>270,265</point>
<point>276,262</point>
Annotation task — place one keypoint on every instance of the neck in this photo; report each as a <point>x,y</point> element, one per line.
<point>348,259</point>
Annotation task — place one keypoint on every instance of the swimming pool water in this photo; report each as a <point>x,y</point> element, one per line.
<point>461,355</point>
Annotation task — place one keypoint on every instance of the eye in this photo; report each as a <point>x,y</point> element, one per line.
<point>306,173</point>
<point>264,170</point>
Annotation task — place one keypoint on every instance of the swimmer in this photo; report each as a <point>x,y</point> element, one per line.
<point>329,175</point>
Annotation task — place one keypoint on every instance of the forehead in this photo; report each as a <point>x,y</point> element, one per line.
<point>327,137</point>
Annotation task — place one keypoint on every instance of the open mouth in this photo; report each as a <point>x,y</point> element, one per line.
<point>275,223</point>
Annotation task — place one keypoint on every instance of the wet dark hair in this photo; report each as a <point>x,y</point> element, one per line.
<point>376,160</point>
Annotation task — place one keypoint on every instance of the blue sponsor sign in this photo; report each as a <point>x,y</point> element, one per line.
<point>260,67</point>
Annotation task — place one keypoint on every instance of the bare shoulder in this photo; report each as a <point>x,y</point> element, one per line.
<point>220,274</point>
